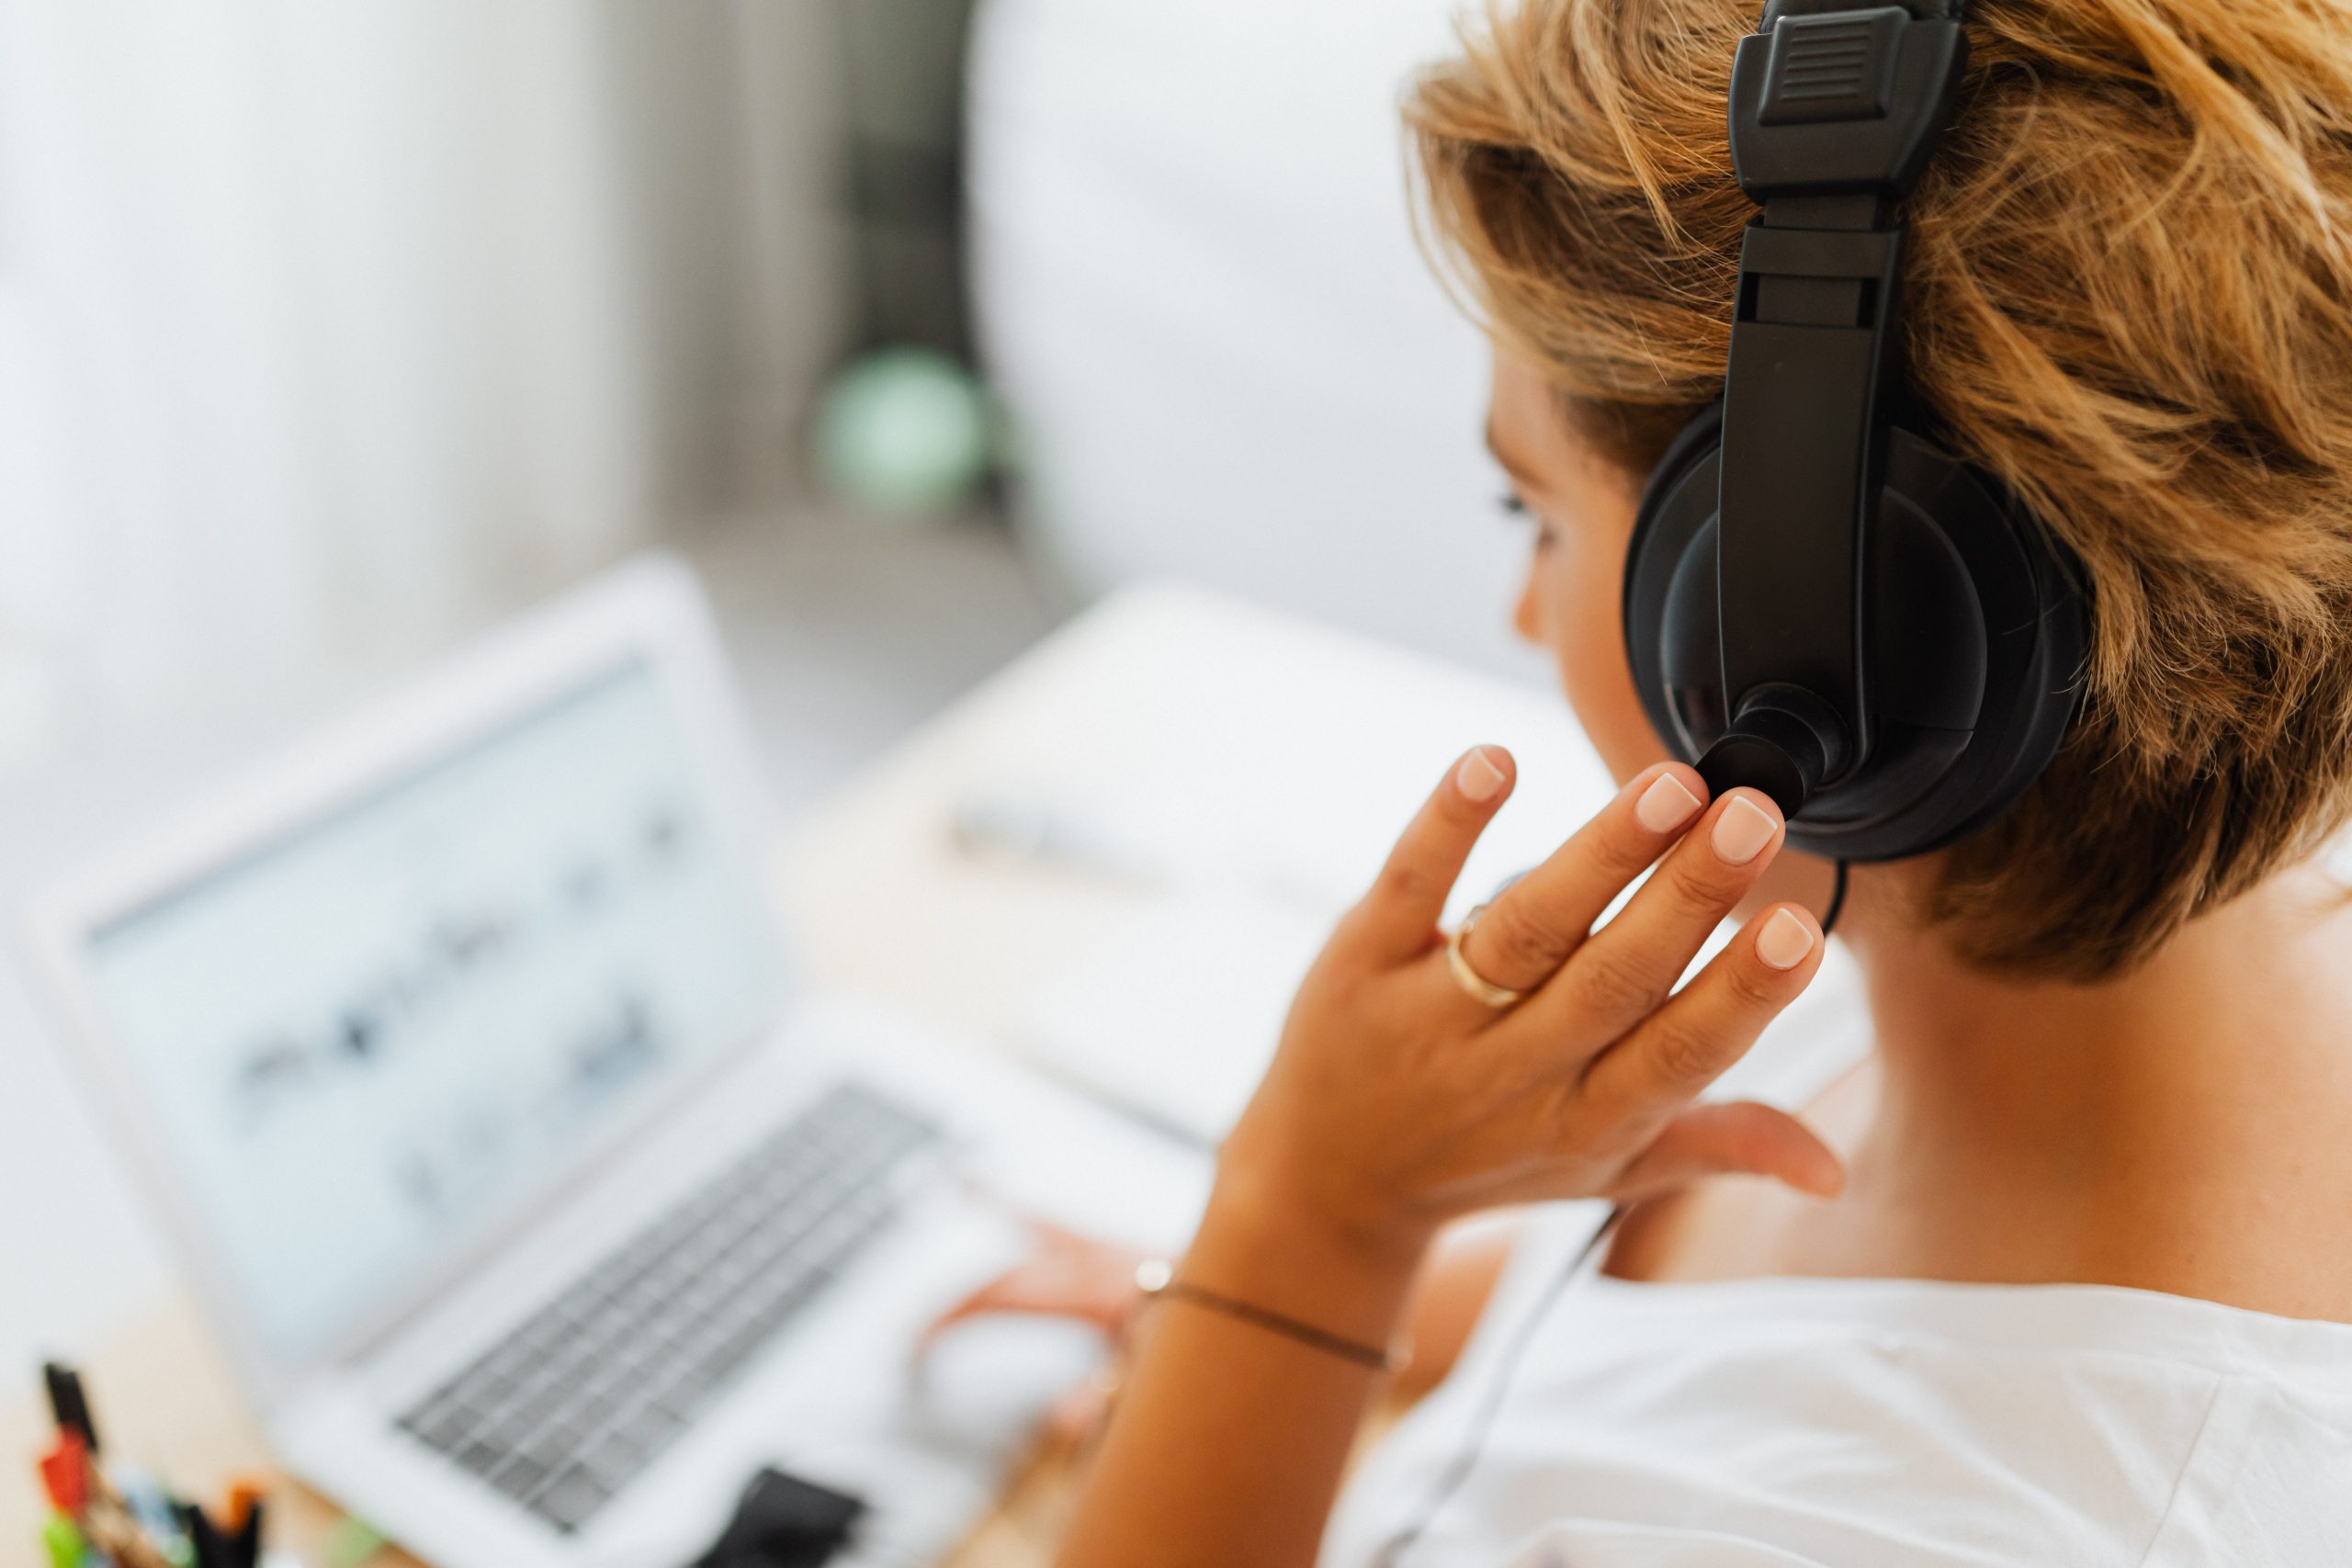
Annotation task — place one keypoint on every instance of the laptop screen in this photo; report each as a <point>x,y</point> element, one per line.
<point>368,1039</point>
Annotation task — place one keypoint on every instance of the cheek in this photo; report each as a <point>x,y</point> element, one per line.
<point>1573,595</point>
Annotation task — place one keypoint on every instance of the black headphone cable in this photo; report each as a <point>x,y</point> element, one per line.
<point>1481,1423</point>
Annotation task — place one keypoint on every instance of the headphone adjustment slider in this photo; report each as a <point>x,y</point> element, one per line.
<point>1842,99</point>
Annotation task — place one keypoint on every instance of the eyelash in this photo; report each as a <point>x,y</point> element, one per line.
<point>1516,509</point>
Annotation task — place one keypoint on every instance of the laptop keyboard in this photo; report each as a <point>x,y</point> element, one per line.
<point>568,1408</point>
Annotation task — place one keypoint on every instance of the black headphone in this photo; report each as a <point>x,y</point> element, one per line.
<point>1820,602</point>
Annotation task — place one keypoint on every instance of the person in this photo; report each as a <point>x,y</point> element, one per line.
<point>2054,1262</point>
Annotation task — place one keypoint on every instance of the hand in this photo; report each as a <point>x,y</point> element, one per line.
<point>1397,1101</point>
<point>1069,1276</point>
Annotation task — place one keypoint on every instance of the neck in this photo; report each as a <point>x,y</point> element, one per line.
<point>2119,1132</point>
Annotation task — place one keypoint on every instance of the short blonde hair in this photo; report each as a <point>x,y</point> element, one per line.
<point>2129,296</point>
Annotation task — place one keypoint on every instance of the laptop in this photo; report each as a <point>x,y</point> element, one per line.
<point>537,1204</point>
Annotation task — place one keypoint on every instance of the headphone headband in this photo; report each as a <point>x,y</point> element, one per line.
<point>1835,107</point>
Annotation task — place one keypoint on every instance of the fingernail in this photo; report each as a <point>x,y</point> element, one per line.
<point>1743,830</point>
<point>1666,805</point>
<point>1784,941</point>
<point>1478,777</point>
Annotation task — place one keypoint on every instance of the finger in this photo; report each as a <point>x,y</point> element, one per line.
<point>1530,931</point>
<point>1741,1138</point>
<point>1397,919</point>
<point>1689,1041</point>
<point>1097,1288</point>
<point>1626,970</point>
<point>996,1296</point>
<point>1074,1417</point>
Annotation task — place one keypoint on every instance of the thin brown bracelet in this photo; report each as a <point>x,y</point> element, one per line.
<point>1158,1281</point>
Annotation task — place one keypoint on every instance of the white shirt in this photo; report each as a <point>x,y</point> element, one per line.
<point>1787,1423</point>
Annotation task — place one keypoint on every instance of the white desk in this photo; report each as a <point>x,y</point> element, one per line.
<point>1199,738</point>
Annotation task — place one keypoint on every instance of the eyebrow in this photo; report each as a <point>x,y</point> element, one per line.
<point>1512,466</point>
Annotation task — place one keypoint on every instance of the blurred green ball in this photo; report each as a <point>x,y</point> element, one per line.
<point>905,432</point>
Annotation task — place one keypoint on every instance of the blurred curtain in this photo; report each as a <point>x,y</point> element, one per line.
<point>325,327</point>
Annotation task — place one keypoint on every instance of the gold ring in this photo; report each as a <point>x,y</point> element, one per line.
<point>1477,986</point>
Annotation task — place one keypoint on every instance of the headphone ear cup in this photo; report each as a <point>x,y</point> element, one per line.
<point>1980,629</point>
<point>1691,648</point>
<point>1977,627</point>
